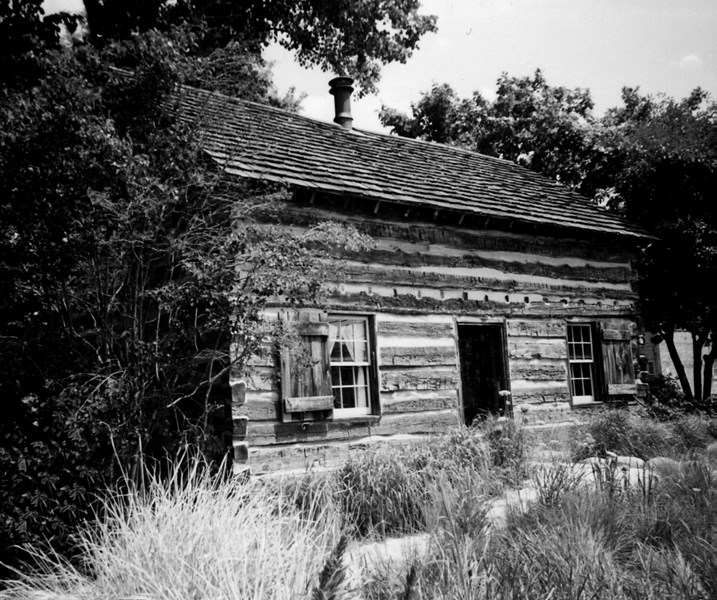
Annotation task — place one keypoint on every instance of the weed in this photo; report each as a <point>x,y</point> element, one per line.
<point>554,480</point>
<point>507,448</point>
<point>333,575</point>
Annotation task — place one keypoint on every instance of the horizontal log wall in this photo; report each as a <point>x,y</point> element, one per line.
<point>418,281</point>
<point>424,267</point>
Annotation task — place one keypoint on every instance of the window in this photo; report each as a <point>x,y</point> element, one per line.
<point>328,370</point>
<point>581,359</point>
<point>600,361</point>
<point>350,357</point>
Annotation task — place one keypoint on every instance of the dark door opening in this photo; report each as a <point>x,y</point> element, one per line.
<point>483,375</point>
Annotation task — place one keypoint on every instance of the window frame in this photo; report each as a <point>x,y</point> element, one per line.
<point>370,366</point>
<point>596,375</point>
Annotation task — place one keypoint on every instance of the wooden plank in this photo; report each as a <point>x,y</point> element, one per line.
<point>430,233</point>
<point>312,328</point>
<point>438,378</point>
<point>238,389</point>
<point>418,258</point>
<point>543,371</point>
<point>537,328</point>
<point>305,370</point>
<point>537,348</point>
<point>265,433</point>
<point>411,278</point>
<point>616,335</point>
<point>417,356</point>
<point>418,401</point>
<point>617,362</point>
<point>264,407</point>
<point>298,457</point>
<point>414,329</point>
<point>262,379</point>
<point>617,389</point>
<point>439,421</point>
<point>371,301</point>
<point>540,395</point>
<point>308,403</point>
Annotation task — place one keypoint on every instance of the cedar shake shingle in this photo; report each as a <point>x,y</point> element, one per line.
<point>261,142</point>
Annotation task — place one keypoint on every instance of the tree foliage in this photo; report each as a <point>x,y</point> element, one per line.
<point>125,276</point>
<point>667,183</point>
<point>345,36</point>
<point>547,128</point>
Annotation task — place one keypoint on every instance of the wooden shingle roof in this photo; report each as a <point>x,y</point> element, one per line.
<point>261,142</point>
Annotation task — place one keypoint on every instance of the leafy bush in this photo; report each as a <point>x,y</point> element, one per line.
<point>666,400</point>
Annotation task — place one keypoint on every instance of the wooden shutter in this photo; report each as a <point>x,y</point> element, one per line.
<point>305,368</point>
<point>617,362</point>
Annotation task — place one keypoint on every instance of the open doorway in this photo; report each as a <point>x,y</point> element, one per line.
<point>481,348</point>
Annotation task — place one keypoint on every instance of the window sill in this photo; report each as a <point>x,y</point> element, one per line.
<point>586,403</point>
<point>357,419</point>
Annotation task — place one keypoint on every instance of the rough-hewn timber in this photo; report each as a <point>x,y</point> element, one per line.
<point>418,283</point>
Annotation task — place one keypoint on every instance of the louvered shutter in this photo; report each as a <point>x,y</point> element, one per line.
<point>305,368</point>
<point>617,362</point>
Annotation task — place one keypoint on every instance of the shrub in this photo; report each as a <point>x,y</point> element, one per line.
<point>667,401</point>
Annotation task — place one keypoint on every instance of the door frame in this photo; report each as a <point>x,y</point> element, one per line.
<point>501,323</point>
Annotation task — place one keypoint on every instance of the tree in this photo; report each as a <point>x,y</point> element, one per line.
<point>345,36</point>
<point>25,31</point>
<point>667,184</point>
<point>124,280</point>
<point>548,129</point>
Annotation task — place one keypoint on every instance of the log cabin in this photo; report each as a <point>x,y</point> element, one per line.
<point>490,289</point>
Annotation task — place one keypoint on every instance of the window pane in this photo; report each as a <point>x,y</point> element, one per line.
<point>348,397</point>
<point>347,376</point>
<point>335,351</point>
<point>361,349</point>
<point>581,359</point>
<point>362,397</point>
<point>335,376</point>
<point>350,363</point>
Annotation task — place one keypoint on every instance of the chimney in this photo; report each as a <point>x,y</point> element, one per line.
<point>341,90</point>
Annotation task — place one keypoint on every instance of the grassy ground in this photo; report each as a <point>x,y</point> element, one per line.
<point>196,536</point>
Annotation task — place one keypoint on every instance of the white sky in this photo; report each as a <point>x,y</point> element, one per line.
<point>660,45</point>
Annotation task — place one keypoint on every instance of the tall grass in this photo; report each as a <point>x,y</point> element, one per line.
<point>384,492</point>
<point>395,490</point>
<point>638,435</point>
<point>192,537</point>
<point>583,542</point>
